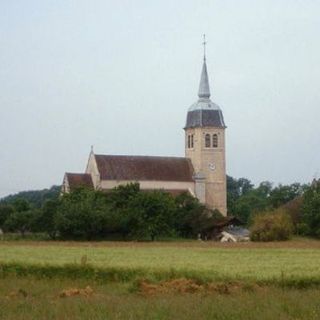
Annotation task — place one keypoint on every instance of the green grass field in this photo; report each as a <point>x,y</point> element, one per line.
<point>207,260</point>
<point>265,281</point>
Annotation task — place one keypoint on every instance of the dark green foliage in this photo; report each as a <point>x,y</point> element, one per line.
<point>46,219</point>
<point>244,201</point>
<point>128,213</point>
<point>282,194</point>
<point>82,214</point>
<point>20,221</point>
<point>35,197</point>
<point>21,205</point>
<point>190,215</point>
<point>235,189</point>
<point>121,196</point>
<point>21,216</point>
<point>118,200</point>
<point>311,211</point>
<point>151,214</point>
<point>294,210</point>
<point>272,226</point>
<point>250,204</point>
<point>5,211</point>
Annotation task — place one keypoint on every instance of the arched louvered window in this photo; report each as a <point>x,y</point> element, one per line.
<point>215,141</point>
<point>207,140</point>
<point>192,141</point>
<point>189,141</point>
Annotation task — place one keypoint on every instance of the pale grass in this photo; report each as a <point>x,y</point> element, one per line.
<point>113,301</point>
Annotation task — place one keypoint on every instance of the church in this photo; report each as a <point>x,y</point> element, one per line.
<point>202,172</point>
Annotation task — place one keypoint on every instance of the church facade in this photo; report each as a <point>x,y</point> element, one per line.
<point>202,172</point>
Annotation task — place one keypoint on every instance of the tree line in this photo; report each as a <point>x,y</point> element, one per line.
<point>129,213</point>
<point>124,212</point>
<point>245,200</point>
<point>275,212</point>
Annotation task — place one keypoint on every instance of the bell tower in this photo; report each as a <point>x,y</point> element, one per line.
<point>205,146</point>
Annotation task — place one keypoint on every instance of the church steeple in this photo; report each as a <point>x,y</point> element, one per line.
<point>204,88</point>
<point>205,145</point>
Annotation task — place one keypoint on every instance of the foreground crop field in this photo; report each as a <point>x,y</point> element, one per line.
<point>29,299</point>
<point>211,261</point>
<point>161,280</point>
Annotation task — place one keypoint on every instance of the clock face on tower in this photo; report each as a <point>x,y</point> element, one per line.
<point>212,166</point>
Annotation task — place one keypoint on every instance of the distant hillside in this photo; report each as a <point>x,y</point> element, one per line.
<point>35,197</point>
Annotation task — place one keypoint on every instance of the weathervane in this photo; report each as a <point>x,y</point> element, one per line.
<point>204,47</point>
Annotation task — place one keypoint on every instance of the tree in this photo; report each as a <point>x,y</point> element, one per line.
<point>151,214</point>
<point>233,193</point>
<point>21,205</point>
<point>264,189</point>
<point>83,213</point>
<point>20,221</point>
<point>121,196</point>
<point>5,211</point>
<point>311,210</point>
<point>46,219</point>
<point>190,217</point>
<point>284,193</point>
<point>249,204</point>
<point>235,189</point>
<point>244,186</point>
<point>294,210</point>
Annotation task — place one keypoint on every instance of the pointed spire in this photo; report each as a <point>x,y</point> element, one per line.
<point>204,89</point>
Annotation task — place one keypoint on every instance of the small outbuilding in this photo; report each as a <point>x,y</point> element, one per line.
<point>213,230</point>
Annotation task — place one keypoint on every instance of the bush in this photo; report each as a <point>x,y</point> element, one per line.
<point>272,226</point>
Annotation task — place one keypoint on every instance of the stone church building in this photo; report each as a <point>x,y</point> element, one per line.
<point>202,172</point>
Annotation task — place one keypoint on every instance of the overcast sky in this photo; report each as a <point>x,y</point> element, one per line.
<point>120,75</point>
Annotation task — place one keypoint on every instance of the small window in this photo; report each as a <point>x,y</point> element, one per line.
<point>189,144</point>
<point>215,141</point>
<point>192,141</point>
<point>207,140</point>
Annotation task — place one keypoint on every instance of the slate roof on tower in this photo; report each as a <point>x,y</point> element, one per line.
<point>138,168</point>
<point>204,113</point>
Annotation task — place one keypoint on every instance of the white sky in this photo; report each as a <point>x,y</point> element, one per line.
<point>121,75</point>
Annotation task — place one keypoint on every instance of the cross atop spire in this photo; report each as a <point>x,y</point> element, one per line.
<point>204,89</point>
<point>204,47</point>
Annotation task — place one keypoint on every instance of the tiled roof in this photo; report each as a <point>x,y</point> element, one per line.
<point>137,168</point>
<point>76,180</point>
